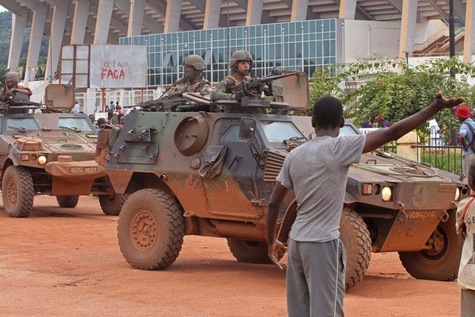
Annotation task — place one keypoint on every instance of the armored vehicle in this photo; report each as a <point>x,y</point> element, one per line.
<point>211,174</point>
<point>46,149</point>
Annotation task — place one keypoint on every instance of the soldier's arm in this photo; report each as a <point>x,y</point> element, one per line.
<point>221,91</point>
<point>23,90</point>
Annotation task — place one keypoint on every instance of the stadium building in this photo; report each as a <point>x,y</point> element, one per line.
<point>291,34</point>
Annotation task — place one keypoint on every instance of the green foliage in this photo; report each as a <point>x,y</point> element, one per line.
<point>5,39</point>
<point>447,159</point>
<point>395,90</point>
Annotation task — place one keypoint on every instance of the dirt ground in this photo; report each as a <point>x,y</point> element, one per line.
<point>66,262</point>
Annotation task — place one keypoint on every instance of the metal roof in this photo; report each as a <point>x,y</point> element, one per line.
<point>233,12</point>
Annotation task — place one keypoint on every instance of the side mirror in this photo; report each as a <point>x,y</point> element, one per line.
<point>247,128</point>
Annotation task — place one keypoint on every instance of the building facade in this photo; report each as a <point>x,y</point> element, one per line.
<point>301,46</point>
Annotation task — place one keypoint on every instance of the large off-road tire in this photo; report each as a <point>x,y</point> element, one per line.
<point>440,263</point>
<point>17,192</point>
<point>112,206</point>
<point>150,229</point>
<point>248,251</point>
<point>357,241</point>
<point>69,201</point>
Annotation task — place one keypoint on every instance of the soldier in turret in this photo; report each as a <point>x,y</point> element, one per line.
<point>12,87</point>
<point>193,79</point>
<point>240,65</point>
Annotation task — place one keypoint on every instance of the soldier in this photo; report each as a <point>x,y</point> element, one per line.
<point>193,79</point>
<point>12,87</point>
<point>240,65</point>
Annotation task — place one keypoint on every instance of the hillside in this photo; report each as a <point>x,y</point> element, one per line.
<point>5,37</point>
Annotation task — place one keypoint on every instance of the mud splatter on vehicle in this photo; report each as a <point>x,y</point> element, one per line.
<point>211,173</point>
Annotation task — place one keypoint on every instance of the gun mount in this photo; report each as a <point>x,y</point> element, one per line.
<point>58,98</point>
<point>285,91</point>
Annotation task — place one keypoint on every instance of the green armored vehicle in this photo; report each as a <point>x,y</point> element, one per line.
<point>46,149</point>
<point>211,174</point>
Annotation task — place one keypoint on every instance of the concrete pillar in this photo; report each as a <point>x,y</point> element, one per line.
<point>469,43</point>
<point>18,30</point>
<point>104,16</point>
<point>299,10</point>
<point>408,28</point>
<point>347,9</point>
<point>254,12</point>
<point>172,16</point>
<point>55,41</point>
<point>137,11</point>
<point>81,12</point>
<point>36,35</point>
<point>405,146</point>
<point>212,14</point>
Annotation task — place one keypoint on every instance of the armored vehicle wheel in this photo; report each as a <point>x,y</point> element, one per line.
<point>356,239</point>
<point>17,192</point>
<point>441,262</point>
<point>248,251</point>
<point>69,201</point>
<point>112,206</point>
<point>150,229</point>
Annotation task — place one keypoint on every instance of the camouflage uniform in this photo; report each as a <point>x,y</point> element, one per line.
<point>193,80</point>
<point>228,88</point>
<point>202,86</point>
<point>9,90</point>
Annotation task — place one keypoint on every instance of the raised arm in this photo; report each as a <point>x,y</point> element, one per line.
<point>377,138</point>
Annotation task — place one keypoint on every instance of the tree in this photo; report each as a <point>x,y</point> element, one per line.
<point>395,90</point>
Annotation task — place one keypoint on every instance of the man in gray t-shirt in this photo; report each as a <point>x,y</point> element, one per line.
<point>317,172</point>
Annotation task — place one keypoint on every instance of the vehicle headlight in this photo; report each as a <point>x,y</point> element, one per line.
<point>457,194</point>
<point>386,193</point>
<point>42,160</point>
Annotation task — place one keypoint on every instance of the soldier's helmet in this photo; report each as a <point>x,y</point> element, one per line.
<point>12,76</point>
<point>194,60</point>
<point>239,56</point>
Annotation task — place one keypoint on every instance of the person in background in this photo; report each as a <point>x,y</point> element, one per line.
<point>110,116</point>
<point>382,122</point>
<point>465,136</point>
<point>111,107</point>
<point>101,122</point>
<point>76,107</point>
<point>465,225</point>
<point>317,172</point>
<point>119,110</point>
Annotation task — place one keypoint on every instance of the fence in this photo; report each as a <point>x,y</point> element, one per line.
<point>95,101</point>
<point>436,153</point>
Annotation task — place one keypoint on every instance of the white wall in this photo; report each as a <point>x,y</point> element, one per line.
<point>365,39</point>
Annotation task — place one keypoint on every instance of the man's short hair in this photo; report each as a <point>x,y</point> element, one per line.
<point>327,112</point>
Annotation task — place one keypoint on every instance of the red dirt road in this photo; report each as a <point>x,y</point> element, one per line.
<point>66,262</point>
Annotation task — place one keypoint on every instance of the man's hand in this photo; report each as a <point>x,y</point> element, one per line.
<point>442,102</point>
<point>462,230</point>
<point>274,250</point>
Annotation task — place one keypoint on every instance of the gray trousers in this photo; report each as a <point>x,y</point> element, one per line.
<point>466,161</point>
<point>467,303</point>
<point>315,278</point>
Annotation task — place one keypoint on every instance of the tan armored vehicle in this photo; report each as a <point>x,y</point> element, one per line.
<point>211,174</point>
<point>46,149</point>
